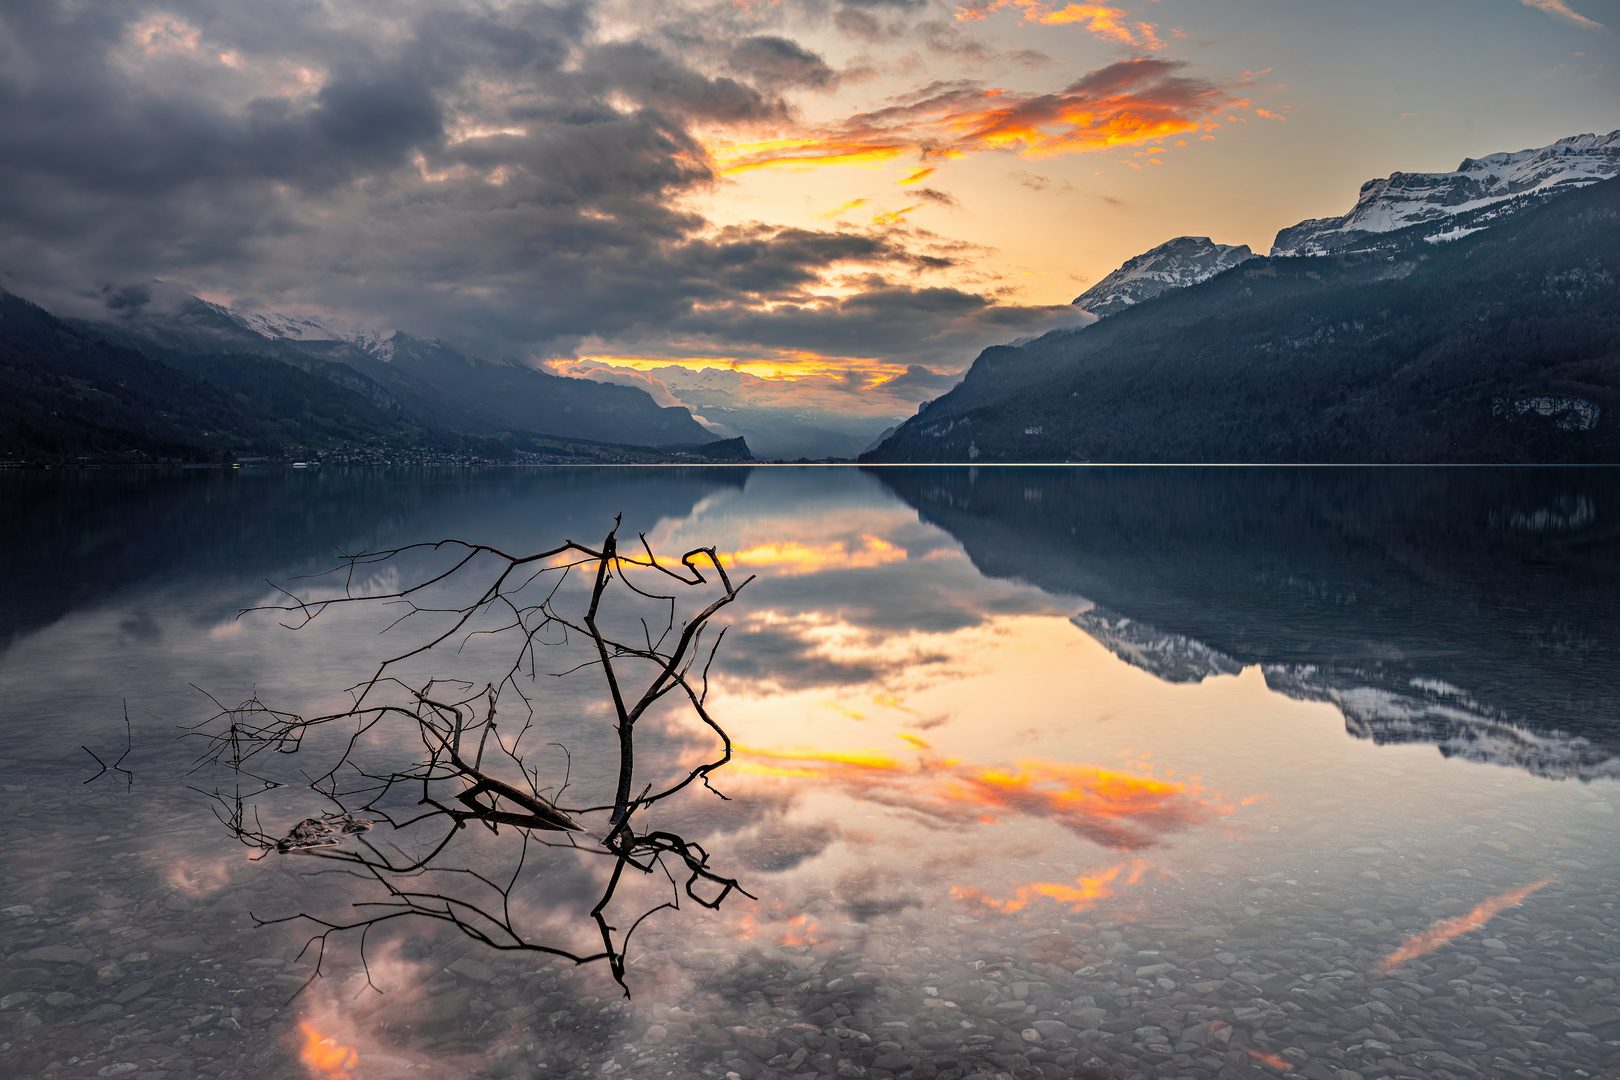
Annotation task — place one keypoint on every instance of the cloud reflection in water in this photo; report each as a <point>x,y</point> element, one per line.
<point>1111,808</point>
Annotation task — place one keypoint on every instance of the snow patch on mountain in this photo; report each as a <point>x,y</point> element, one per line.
<point>1175,264</point>
<point>1484,189</point>
<point>276,326</point>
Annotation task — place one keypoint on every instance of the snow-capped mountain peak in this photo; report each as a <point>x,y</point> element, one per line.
<point>1175,264</point>
<point>1478,192</point>
<point>276,326</point>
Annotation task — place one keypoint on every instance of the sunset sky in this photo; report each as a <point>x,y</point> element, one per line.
<point>843,199</point>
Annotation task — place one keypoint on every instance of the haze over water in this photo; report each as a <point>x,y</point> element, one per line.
<point>1040,773</point>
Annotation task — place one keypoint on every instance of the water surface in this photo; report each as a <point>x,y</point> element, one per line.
<point>1041,773</point>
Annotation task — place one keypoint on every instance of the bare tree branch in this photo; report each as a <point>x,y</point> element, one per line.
<point>402,827</point>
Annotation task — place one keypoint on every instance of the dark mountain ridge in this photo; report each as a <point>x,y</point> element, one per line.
<point>1501,346</point>
<point>428,382</point>
<point>194,395</point>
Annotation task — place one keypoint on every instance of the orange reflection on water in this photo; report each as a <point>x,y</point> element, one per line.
<point>1442,932</point>
<point>814,762</point>
<point>792,557</point>
<point>1271,1059</point>
<point>1111,808</point>
<point>324,1057</point>
<point>799,930</point>
<point>1088,800</point>
<point>1085,891</point>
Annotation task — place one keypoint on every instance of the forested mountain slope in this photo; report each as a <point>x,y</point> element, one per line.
<point>69,397</point>
<point>1502,346</point>
<point>426,382</point>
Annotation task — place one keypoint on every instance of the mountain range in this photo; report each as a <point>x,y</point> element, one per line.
<point>1447,206</point>
<point>159,376</point>
<point>1465,317</point>
<point>1174,264</point>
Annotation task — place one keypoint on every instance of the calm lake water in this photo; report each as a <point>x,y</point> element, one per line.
<point>1040,773</point>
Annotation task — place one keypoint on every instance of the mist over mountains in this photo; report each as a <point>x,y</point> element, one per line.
<point>1466,317</point>
<point>171,378</point>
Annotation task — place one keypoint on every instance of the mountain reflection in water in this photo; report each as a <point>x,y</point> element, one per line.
<point>1471,608</point>
<point>1040,774</point>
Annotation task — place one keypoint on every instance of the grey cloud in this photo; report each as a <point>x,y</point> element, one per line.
<point>657,81</point>
<point>497,177</point>
<point>778,62</point>
<point>942,198</point>
<point>924,324</point>
<point>923,380</point>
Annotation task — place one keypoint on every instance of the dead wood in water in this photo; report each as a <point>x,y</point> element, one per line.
<point>404,827</point>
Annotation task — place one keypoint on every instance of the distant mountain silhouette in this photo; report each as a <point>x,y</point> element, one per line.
<point>1501,346</point>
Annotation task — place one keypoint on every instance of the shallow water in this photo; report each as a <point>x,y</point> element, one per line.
<point>1040,773</point>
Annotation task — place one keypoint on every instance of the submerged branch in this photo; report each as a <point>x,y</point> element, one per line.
<point>457,776</point>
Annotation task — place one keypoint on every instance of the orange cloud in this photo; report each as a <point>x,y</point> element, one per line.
<point>740,157</point>
<point>889,217</point>
<point>1114,809</point>
<point>920,174</point>
<point>1104,22</point>
<point>1442,932</point>
<point>852,204</point>
<point>1129,102</point>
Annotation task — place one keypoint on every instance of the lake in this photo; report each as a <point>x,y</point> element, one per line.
<point>1037,773</point>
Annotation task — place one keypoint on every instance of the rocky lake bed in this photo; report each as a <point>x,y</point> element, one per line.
<point>114,965</point>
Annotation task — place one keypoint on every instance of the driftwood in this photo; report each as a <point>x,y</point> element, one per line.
<point>467,769</point>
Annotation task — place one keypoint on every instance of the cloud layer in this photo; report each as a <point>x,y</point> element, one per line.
<point>1127,102</point>
<point>509,177</point>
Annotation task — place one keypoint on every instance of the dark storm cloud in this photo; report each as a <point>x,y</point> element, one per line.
<point>921,379</point>
<point>778,62</point>
<point>657,81</point>
<point>930,324</point>
<point>505,178</point>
